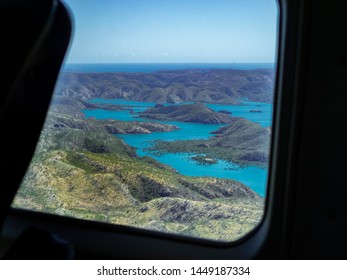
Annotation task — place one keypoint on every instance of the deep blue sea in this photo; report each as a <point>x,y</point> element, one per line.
<point>153,67</point>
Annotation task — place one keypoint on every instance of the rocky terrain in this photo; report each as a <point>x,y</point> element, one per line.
<point>195,113</point>
<point>242,141</point>
<point>73,107</point>
<point>211,86</point>
<point>81,169</point>
<point>111,126</point>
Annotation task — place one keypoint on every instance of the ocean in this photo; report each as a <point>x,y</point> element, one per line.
<point>153,67</point>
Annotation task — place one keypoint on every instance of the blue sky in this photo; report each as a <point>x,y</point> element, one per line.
<point>173,31</point>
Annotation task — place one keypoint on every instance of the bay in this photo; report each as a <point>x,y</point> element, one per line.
<point>252,176</point>
<point>244,110</point>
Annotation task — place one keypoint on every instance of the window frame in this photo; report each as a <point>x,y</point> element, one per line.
<point>99,240</point>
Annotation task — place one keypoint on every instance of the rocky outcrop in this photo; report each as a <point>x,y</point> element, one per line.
<point>195,85</point>
<point>61,121</point>
<point>119,127</point>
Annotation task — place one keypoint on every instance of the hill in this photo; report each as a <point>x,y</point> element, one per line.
<point>73,107</point>
<point>242,141</point>
<point>211,86</point>
<point>195,113</point>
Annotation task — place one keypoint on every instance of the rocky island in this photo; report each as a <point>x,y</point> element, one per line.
<point>195,113</point>
<point>242,142</point>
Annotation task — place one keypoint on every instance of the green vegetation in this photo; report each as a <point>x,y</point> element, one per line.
<point>80,169</point>
<point>202,159</point>
<point>242,142</point>
<point>123,190</point>
<point>83,171</point>
<point>195,113</point>
<point>211,86</point>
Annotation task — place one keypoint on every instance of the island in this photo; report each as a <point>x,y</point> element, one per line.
<point>241,142</point>
<point>195,113</point>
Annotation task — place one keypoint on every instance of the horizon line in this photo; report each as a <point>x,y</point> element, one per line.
<point>169,63</point>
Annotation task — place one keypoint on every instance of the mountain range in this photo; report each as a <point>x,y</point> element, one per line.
<point>199,85</point>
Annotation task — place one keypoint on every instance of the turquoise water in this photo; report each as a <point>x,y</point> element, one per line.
<point>252,176</point>
<point>243,110</point>
<point>263,118</point>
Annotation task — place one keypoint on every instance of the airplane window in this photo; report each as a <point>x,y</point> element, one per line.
<point>161,118</point>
